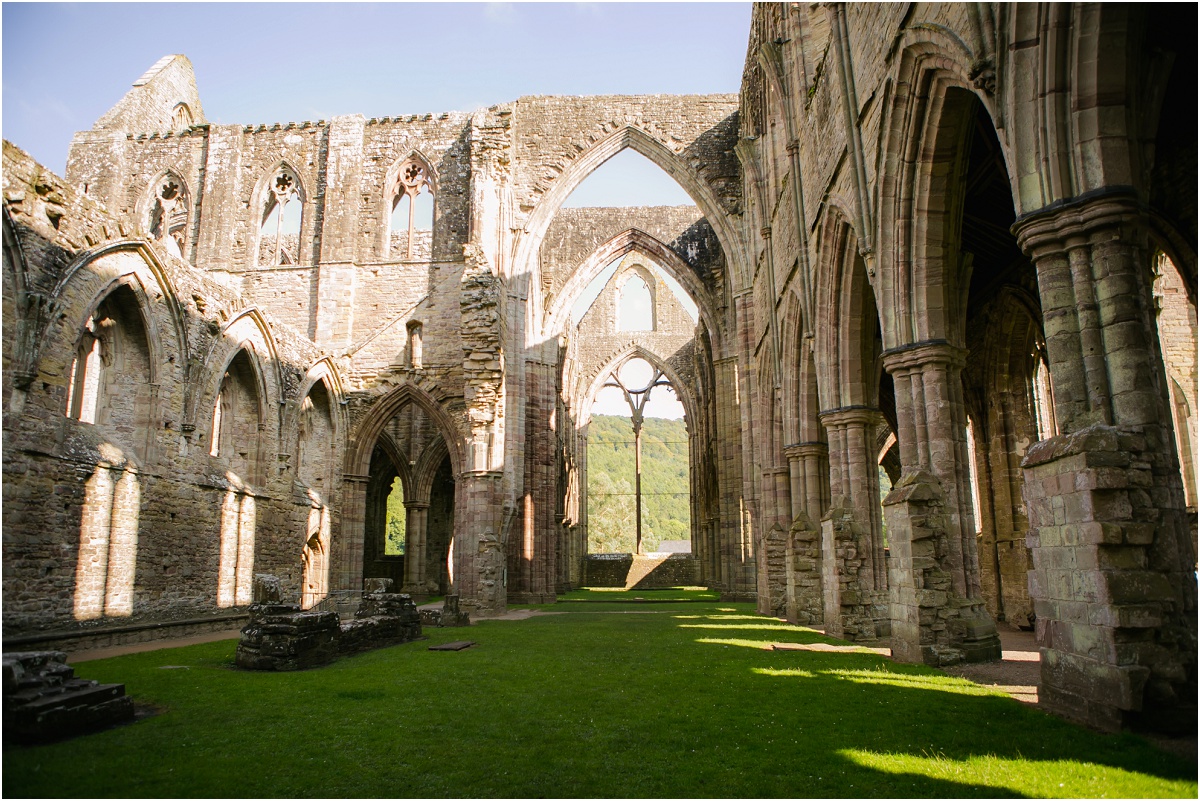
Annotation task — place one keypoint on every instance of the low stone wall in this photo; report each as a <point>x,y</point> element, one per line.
<point>641,572</point>
<point>107,636</point>
<point>282,637</point>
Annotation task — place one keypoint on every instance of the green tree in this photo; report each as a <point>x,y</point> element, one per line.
<point>394,543</point>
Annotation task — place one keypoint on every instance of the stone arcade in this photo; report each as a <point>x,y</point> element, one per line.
<point>954,241</point>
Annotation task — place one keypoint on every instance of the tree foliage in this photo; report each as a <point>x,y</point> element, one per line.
<point>394,544</point>
<point>611,474</point>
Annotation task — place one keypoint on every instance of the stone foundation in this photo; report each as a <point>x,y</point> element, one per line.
<point>282,637</point>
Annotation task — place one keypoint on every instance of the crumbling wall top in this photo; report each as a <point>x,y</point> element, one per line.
<point>164,98</point>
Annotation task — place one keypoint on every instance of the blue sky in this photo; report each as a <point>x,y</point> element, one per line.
<point>65,64</point>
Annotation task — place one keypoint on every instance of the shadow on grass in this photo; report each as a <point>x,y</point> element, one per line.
<point>586,704</point>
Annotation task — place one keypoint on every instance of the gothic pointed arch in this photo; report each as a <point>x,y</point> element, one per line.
<point>586,163</point>
<point>409,181</point>
<point>362,439</point>
<point>247,328</point>
<point>631,240</point>
<point>616,361</point>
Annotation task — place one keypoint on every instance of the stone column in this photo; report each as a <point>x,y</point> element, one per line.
<point>854,566</point>
<point>732,550</point>
<point>937,610</point>
<point>808,467</point>
<point>348,548</point>
<point>416,527</point>
<point>1113,578</point>
<point>477,555</point>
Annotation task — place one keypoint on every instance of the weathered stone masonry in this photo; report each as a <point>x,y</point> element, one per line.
<point>954,242</point>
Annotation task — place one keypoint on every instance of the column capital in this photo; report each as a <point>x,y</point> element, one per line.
<point>801,450</point>
<point>1063,225</point>
<point>850,415</point>
<point>354,479</point>
<point>918,354</point>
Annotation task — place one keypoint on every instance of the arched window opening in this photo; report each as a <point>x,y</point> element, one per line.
<point>316,558</point>
<point>314,457</point>
<point>411,220</point>
<point>635,306</point>
<point>236,423</point>
<point>1043,397</point>
<point>394,533</point>
<point>638,486</point>
<point>416,345</point>
<point>282,216</point>
<point>83,391</point>
<point>973,475</point>
<point>181,117</point>
<point>168,214</point>
<point>109,378</point>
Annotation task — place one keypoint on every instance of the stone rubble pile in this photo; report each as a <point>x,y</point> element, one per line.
<point>44,701</point>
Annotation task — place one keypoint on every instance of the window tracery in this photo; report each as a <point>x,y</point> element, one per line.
<point>412,199</point>
<point>282,215</point>
<point>168,214</point>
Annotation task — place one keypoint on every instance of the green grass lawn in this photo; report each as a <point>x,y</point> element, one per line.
<point>603,700</point>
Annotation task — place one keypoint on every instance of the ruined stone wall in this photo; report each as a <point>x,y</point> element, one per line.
<point>131,518</point>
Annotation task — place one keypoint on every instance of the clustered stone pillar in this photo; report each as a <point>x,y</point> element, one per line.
<point>852,528</point>
<point>937,610</point>
<point>416,530</point>
<point>808,467</point>
<point>348,548</point>
<point>1113,579</point>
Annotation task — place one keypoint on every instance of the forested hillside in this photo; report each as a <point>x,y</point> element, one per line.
<point>610,474</point>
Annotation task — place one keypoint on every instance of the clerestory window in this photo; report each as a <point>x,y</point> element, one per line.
<point>282,215</point>
<point>411,220</point>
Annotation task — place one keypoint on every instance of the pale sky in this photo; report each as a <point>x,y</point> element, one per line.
<point>65,64</point>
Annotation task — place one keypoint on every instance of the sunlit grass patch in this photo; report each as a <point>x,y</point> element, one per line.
<point>597,700</point>
<point>938,681</point>
<point>1056,778</point>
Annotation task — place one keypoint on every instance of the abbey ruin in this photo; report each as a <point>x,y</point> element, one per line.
<point>957,241</point>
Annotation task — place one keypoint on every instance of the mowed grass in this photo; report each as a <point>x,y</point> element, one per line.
<point>601,700</point>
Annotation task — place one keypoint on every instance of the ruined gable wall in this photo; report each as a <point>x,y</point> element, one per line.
<point>597,339</point>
